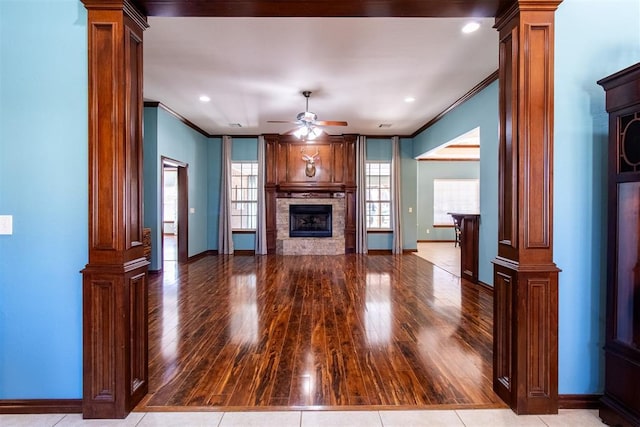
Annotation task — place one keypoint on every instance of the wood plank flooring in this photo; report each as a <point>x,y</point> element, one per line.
<point>317,331</point>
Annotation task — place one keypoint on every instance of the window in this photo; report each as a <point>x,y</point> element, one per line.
<point>244,195</point>
<point>378,195</point>
<point>454,195</point>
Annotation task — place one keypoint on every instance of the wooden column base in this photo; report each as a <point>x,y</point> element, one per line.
<point>115,336</point>
<point>525,336</point>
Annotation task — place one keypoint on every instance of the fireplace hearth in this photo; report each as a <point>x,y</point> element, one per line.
<point>310,220</point>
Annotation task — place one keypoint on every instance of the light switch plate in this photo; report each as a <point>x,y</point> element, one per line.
<point>6,224</point>
<point>192,210</point>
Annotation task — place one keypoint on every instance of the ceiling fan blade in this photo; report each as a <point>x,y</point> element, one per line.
<point>330,123</point>
<point>282,121</point>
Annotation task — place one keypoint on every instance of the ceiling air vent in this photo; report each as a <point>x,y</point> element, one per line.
<point>235,125</point>
<point>384,125</point>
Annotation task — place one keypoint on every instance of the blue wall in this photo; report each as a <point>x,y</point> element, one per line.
<point>244,150</point>
<point>175,140</point>
<point>409,177</point>
<point>427,172</point>
<point>593,39</point>
<point>43,184</point>
<point>380,150</point>
<point>480,111</point>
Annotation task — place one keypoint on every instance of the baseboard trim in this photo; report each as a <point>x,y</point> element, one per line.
<point>436,241</point>
<point>201,255</point>
<point>485,286</point>
<point>244,252</point>
<point>409,251</point>
<point>41,406</point>
<point>378,251</point>
<point>579,401</point>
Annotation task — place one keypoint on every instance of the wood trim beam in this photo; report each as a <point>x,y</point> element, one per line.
<point>311,8</point>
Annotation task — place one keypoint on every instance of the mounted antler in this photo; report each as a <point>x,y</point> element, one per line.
<point>310,169</point>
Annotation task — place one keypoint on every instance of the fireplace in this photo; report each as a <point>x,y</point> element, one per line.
<point>310,221</point>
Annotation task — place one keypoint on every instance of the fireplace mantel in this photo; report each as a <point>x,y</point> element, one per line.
<point>334,178</point>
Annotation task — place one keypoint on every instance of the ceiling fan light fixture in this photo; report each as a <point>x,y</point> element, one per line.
<point>301,132</point>
<point>315,133</point>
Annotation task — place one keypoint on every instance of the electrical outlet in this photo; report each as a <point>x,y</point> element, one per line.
<point>6,224</point>
<point>428,231</point>
<point>410,210</point>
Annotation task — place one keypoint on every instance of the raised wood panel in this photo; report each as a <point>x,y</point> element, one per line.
<point>350,221</point>
<point>103,137</point>
<point>508,160</point>
<point>270,153</point>
<point>350,160</point>
<point>502,333</point>
<point>296,166</point>
<point>138,331</point>
<point>536,137</point>
<point>537,333</point>
<point>338,170</point>
<point>538,343</point>
<point>102,335</point>
<point>133,133</point>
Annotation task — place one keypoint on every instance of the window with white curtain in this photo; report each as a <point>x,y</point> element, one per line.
<point>244,195</point>
<point>378,198</point>
<point>454,195</point>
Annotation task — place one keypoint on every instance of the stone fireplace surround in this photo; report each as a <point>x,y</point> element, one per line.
<point>333,245</point>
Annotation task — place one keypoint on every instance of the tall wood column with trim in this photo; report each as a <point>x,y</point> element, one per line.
<point>525,346</point>
<point>114,308</point>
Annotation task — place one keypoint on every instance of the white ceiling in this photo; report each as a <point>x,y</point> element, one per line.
<point>359,69</point>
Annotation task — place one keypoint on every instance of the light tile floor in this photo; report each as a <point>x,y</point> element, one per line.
<point>416,418</point>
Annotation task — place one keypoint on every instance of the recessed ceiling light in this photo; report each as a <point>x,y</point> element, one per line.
<point>409,99</point>
<point>204,98</point>
<point>470,27</point>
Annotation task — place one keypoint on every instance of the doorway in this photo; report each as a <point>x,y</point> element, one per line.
<point>174,216</point>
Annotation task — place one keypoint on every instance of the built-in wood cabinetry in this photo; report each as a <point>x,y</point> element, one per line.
<point>469,225</point>
<point>621,400</point>
<point>289,174</point>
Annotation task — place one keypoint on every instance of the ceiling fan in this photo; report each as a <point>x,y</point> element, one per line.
<point>309,123</point>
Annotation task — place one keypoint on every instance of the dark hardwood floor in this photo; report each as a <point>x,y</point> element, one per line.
<point>317,331</point>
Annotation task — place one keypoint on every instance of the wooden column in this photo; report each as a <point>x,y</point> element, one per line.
<point>115,279</point>
<point>525,276</point>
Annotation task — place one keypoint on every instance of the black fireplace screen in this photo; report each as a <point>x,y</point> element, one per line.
<point>310,220</point>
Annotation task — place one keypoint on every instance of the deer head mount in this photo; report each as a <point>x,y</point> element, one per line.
<point>310,168</point>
